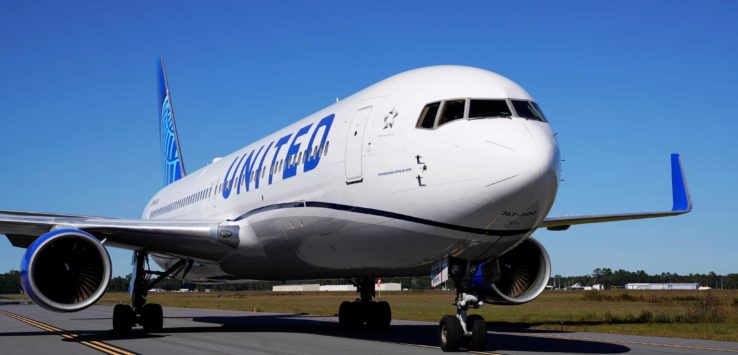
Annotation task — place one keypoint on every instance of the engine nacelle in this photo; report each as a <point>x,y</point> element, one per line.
<point>65,270</point>
<point>520,276</point>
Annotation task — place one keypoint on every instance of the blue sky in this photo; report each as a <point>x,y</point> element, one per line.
<point>624,84</point>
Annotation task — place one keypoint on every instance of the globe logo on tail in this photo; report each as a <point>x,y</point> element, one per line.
<point>172,165</point>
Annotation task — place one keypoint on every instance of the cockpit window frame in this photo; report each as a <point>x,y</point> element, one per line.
<point>535,106</point>
<point>467,107</point>
<point>442,108</point>
<point>506,100</point>
<point>419,123</point>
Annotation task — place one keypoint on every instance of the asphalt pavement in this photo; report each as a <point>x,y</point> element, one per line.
<point>28,329</point>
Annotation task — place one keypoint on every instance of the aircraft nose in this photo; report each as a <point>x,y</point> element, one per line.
<point>530,150</point>
<point>544,158</point>
<point>539,181</point>
<point>523,198</point>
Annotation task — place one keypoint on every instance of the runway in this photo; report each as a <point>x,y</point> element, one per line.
<point>28,329</point>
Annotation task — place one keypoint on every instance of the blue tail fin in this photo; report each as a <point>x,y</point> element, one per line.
<point>171,154</point>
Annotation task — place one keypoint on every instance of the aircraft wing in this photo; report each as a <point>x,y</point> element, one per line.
<point>680,193</point>
<point>208,240</point>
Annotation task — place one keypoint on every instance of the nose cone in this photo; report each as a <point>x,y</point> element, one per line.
<point>538,182</point>
<point>523,198</point>
<point>544,159</point>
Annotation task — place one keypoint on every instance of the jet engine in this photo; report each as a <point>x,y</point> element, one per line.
<point>518,276</point>
<point>65,270</point>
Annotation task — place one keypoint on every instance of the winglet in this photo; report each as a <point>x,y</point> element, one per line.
<point>680,192</point>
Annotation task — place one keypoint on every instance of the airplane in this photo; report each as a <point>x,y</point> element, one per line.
<point>446,170</point>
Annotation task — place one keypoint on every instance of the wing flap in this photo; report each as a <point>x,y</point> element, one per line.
<point>682,203</point>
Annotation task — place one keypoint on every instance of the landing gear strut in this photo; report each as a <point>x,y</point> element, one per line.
<point>462,330</point>
<point>148,315</point>
<point>364,311</point>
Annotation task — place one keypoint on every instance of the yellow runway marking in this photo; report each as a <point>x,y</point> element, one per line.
<point>93,344</point>
<point>633,342</point>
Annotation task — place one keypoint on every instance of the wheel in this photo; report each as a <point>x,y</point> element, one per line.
<point>371,313</point>
<point>379,315</point>
<point>344,314</point>
<point>358,314</point>
<point>384,315</point>
<point>152,317</point>
<point>475,323</point>
<point>122,318</point>
<point>450,333</point>
<point>350,314</point>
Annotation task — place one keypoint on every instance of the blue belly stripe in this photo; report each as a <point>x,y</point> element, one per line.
<point>382,213</point>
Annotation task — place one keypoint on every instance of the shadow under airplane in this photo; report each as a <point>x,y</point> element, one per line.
<point>411,334</point>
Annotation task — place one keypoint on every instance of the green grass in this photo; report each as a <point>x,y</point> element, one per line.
<point>685,314</point>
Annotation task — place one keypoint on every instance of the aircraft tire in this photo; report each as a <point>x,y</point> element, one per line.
<point>475,323</point>
<point>122,318</point>
<point>152,317</point>
<point>344,314</point>
<point>384,315</point>
<point>358,314</point>
<point>450,333</point>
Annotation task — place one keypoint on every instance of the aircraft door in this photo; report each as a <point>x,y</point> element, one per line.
<point>355,145</point>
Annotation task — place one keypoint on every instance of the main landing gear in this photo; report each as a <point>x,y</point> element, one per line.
<point>364,311</point>
<point>462,330</point>
<point>148,315</point>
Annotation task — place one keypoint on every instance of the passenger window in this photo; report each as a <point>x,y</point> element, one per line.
<point>488,108</point>
<point>428,115</point>
<point>529,110</point>
<point>452,110</point>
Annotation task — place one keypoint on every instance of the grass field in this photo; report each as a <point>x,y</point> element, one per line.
<point>684,314</point>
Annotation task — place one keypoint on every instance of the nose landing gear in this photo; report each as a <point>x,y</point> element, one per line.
<point>365,311</point>
<point>462,330</point>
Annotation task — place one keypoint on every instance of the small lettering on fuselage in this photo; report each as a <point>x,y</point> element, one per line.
<point>519,214</point>
<point>392,172</point>
<point>243,167</point>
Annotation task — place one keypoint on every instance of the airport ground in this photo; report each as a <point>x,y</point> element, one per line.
<point>708,315</point>
<point>27,329</point>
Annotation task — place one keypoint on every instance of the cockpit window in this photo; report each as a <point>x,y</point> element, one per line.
<point>540,112</point>
<point>488,108</point>
<point>528,109</point>
<point>428,115</point>
<point>452,110</point>
<point>436,114</point>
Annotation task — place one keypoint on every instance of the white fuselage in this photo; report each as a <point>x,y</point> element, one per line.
<point>378,196</point>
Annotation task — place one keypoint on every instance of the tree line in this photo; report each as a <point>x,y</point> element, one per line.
<point>10,281</point>
<point>619,278</point>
